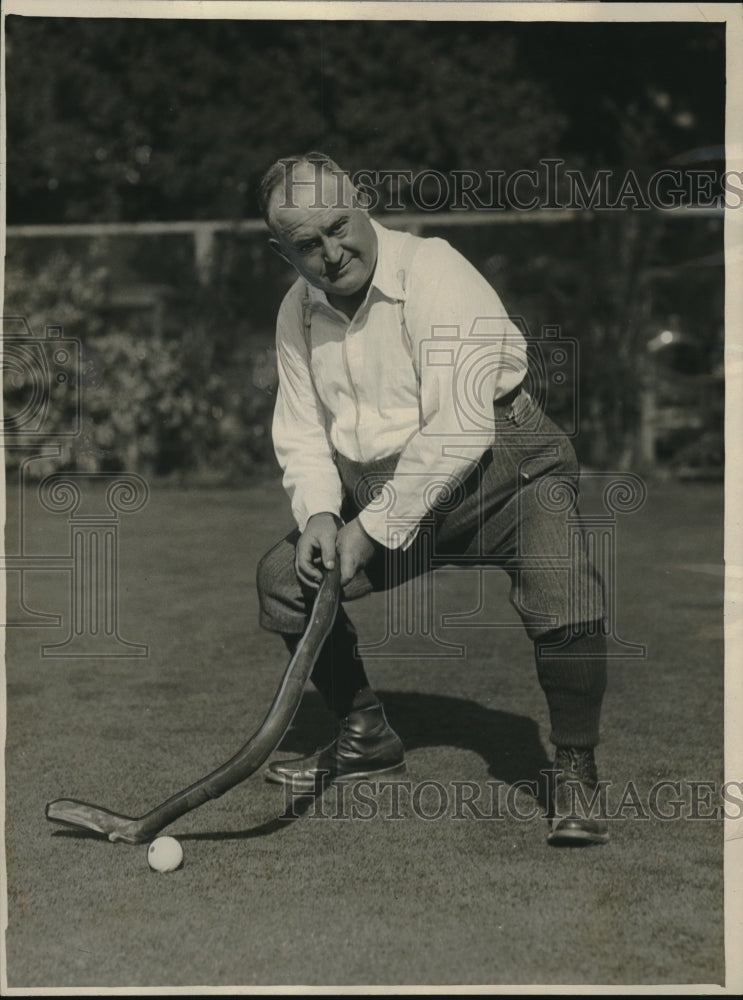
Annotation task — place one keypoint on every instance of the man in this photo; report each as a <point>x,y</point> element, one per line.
<point>402,428</point>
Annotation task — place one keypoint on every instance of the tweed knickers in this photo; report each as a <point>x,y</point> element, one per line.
<point>517,509</point>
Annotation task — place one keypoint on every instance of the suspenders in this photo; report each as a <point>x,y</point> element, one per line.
<point>407,254</point>
<point>307,321</point>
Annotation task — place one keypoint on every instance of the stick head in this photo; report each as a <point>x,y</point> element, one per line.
<point>83,816</point>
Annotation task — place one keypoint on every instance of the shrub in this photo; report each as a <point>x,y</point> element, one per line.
<point>158,403</point>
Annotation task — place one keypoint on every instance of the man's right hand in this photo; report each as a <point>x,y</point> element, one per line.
<point>316,548</point>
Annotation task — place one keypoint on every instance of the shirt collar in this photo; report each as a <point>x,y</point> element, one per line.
<point>387,276</point>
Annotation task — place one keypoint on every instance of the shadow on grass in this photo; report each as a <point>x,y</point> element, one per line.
<point>81,835</point>
<point>298,807</point>
<point>509,744</point>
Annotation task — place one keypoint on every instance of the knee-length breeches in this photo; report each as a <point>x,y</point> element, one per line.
<point>517,509</point>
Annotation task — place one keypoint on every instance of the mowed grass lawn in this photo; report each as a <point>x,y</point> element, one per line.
<point>399,897</point>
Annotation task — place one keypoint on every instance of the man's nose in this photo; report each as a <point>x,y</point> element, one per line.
<point>332,250</point>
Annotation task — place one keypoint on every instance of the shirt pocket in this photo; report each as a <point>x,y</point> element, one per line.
<point>537,446</point>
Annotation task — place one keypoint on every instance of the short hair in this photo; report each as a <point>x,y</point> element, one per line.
<point>279,172</point>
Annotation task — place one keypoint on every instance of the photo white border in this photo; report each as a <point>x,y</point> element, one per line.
<point>441,10</point>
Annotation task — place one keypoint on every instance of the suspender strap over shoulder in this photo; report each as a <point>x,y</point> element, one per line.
<point>407,254</point>
<point>307,318</point>
<point>409,249</point>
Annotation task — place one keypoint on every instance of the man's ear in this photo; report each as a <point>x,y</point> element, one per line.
<point>276,247</point>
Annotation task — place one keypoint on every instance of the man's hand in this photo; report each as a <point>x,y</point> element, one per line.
<point>316,547</point>
<point>355,548</point>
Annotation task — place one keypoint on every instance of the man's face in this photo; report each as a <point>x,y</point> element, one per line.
<point>321,233</point>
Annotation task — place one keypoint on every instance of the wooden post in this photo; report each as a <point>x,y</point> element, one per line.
<point>647,430</point>
<point>203,241</point>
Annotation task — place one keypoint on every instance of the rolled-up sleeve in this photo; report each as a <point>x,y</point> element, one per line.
<point>467,353</point>
<point>300,434</point>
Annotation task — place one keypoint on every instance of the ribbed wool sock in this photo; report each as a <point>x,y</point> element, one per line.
<point>339,675</point>
<point>574,681</point>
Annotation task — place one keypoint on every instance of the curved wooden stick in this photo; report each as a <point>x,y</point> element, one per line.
<point>139,830</point>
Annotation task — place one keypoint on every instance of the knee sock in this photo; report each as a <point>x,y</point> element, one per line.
<point>574,681</point>
<point>339,675</point>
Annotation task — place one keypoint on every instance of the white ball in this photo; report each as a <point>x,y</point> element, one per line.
<point>165,854</point>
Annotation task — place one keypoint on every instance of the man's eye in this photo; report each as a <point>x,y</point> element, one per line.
<point>338,228</point>
<point>306,248</point>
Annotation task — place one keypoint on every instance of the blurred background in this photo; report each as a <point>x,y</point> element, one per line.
<point>134,148</point>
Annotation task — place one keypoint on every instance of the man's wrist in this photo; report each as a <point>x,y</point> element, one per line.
<point>369,531</point>
<point>337,520</point>
<point>383,534</point>
<point>369,538</point>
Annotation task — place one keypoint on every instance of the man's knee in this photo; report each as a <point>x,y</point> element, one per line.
<point>282,605</point>
<point>276,568</point>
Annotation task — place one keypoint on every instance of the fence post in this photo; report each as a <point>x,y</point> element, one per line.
<point>204,239</point>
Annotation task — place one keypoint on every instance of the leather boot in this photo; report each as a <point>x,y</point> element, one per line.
<point>365,747</point>
<point>575,822</point>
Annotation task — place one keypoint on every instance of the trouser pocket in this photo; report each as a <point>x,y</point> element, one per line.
<point>528,444</point>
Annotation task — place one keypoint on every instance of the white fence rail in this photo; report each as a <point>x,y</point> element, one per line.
<point>204,232</point>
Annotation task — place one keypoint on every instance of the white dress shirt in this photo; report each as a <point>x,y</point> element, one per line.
<point>414,373</point>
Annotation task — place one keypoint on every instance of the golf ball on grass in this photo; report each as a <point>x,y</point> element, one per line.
<point>165,854</point>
